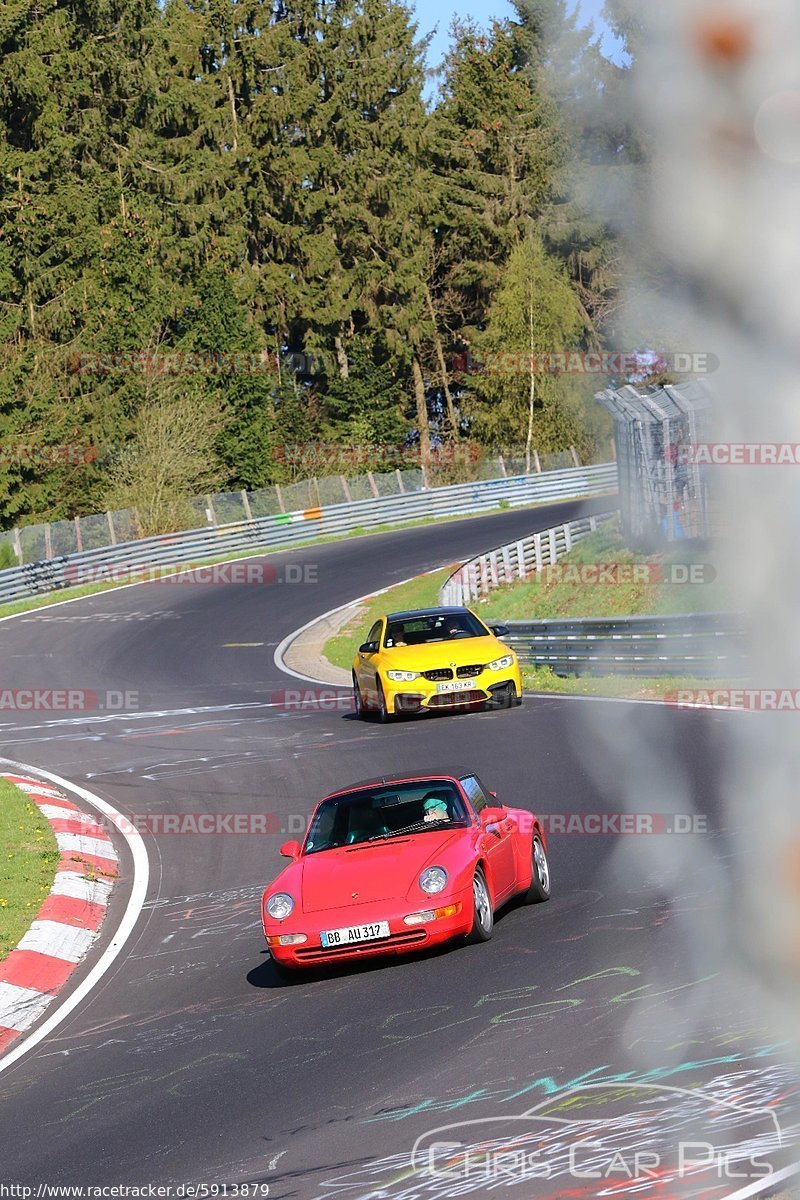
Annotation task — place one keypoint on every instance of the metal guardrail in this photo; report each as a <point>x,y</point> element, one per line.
<point>699,645</point>
<point>516,561</point>
<point>284,530</point>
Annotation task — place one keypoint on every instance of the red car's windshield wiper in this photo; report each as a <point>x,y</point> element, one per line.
<point>416,827</point>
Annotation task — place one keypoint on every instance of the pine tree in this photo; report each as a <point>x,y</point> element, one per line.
<point>533,315</point>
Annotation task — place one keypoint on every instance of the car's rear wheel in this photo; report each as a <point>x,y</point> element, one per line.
<point>539,891</point>
<point>482,911</point>
<point>361,712</point>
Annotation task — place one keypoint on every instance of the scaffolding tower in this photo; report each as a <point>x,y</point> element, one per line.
<point>664,491</point>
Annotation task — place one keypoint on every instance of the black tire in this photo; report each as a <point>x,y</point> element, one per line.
<point>482,911</point>
<point>382,716</point>
<point>506,698</point>
<point>539,891</point>
<point>360,709</point>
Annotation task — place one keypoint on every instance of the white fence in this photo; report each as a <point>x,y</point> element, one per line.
<point>516,561</point>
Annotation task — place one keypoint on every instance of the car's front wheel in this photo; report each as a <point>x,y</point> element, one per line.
<point>505,696</point>
<point>482,911</point>
<point>358,700</point>
<point>288,975</point>
<point>539,891</point>
<point>383,715</point>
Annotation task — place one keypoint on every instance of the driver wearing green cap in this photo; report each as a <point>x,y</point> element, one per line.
<point>435,808</point>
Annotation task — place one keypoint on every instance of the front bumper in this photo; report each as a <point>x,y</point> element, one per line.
<point>402,939</point>
<point>423,694</point>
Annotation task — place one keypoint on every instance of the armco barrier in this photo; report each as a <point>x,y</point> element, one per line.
<point>699,645</point>
<point>283,530</point>
<point>516,561</point>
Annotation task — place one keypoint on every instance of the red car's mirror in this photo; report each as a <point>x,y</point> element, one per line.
<point>290,849</point>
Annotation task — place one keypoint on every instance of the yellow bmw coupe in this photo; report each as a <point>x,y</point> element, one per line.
<point>433,659</point>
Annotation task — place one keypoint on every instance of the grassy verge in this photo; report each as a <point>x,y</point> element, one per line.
<point>74,593</point>
<point>629,687</point>
<point>529,601</point>
<point>555,594</point>
<point>27,863</point>
<point>418,593</point>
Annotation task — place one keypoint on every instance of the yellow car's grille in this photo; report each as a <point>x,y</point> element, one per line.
<point>439,674</point>
<point>469,672</point>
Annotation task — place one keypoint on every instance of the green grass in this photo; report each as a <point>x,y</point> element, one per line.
<point>418,593</point>
<point>27,863</point>
<point>547,599</point>
<point>542,679</point>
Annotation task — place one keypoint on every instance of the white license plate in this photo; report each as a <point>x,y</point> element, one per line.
<point>355,933</point>
<point>456,685</point>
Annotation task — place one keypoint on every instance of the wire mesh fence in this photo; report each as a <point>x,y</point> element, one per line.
<point>42,542</point>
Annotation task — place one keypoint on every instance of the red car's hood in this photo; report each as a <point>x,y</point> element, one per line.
<point>366,873</point>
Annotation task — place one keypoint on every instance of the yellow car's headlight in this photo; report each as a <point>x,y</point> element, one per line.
<point>500,664</point>
<point>403,676</point>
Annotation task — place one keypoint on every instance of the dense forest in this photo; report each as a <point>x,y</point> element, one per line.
<point>235,234</point>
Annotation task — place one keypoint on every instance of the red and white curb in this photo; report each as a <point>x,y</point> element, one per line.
<point>69,920</point>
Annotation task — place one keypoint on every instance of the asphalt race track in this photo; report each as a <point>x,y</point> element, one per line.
<point>193,1063</point>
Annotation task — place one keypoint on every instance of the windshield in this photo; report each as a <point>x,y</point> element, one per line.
<point>377,814</point>
<point>432,627</point>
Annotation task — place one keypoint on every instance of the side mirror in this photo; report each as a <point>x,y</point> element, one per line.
<point>290,850</point>
<point>500,631</point>
<point>368,648</point>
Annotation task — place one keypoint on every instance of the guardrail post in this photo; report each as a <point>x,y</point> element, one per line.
<point>111,531</point>
<point>17,545</point>
<point>78,535</point>
<point>48,542</point>
<point>553,547</point>
<point>373,484</point>
<point>567,537</point>
<point>346,489</point>
<point>574,454</point>
<point>210,513</point>
<point>248,512</point>
<point>401,486</point>
<point>537,548</point>
<point>279,497</point>
<point>508,574</point>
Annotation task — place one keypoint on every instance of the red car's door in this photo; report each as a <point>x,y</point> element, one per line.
<point>496,836</point>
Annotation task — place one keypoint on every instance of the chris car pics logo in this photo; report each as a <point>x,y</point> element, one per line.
<point>628,1136</point>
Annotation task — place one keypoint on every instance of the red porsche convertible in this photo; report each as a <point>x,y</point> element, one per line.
<point>395,864</point>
